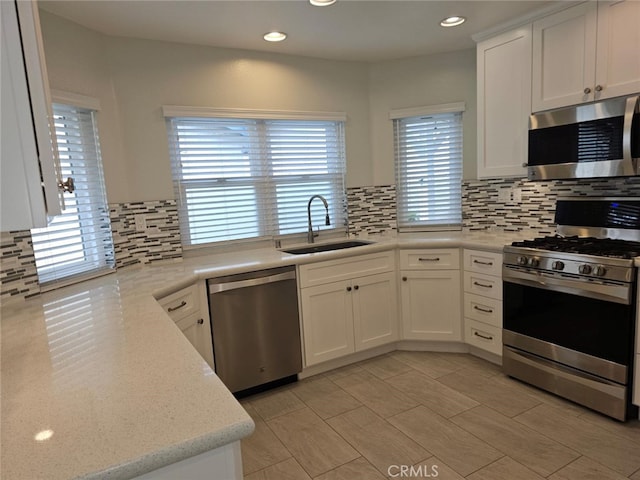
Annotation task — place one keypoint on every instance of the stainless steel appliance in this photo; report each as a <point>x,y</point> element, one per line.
<point>255,327</point>
<point>600,139</point>
<point>570,305</point>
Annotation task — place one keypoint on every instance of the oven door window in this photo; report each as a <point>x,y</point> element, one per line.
<point>595,327</point>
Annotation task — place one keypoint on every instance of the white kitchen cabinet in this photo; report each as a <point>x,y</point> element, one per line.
<point>483,300</point>
<point>188,309</point>
<point>584,53</point>
<point>29,175</point>
<point>430,294</point>
<point>504,103</point>
<point>350,315</point>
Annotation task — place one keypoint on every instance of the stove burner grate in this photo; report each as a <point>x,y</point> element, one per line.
<point>604,247</point>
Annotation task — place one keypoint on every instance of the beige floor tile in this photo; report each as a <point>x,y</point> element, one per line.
<point>505,469</point>
<point>376,439</point>
<point>359,469</point>
<point>498,395</point>
<point>262,448</point>
<point>287,470</point>
<point>432,394</point>
<point>635,476</point>
<point>454,446</point>
<point>385,366</point>
<point>429,363</point>
<point>474,365</point>
<point>376,394</point>
<point>311,441</point>
<point>617,453</point>
<point>324,397</point>
<point>586,469</point>
<point>629,429</point>
<point>274,403</point>
<point>342,372</point>
<point>526,446</point>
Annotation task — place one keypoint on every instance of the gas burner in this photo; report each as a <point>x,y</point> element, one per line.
<point>601,247</point>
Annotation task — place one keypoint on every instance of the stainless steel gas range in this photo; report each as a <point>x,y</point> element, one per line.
<point>570,305</point>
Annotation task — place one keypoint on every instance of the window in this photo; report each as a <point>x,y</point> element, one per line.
<point>239,178</point>
<point>77,244</point>
<point>428,160</point>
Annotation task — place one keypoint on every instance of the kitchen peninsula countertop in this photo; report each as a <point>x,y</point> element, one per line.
<point>122,392</point>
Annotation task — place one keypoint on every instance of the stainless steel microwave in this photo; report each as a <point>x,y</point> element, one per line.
<point>600,139</point>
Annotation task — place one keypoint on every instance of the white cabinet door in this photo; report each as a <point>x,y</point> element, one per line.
<point>504,103</point>
<point>197,329</point>
<point>374,310</point>
<point>327,318</point>
<point>431,305</point>
<point>618,53</point>
<point>29,179</point>
<point>564,57</point>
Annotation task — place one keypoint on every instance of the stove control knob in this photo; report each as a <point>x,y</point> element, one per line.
<point>557,265</point>
<point>584,269</point>
<point>521,260</point>
<point>599,271</point>
<point>534,262</point>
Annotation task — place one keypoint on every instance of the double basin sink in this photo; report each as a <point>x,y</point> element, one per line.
<point>326,247</point>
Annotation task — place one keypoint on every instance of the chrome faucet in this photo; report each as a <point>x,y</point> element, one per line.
<point>310,234</point>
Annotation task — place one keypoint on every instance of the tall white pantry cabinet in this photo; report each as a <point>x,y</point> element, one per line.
<point>29,173</point>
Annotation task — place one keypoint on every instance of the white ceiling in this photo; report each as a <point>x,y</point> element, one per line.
<point>354,30</point>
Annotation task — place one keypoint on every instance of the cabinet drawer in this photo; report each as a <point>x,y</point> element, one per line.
<point>481,284</point>
<point>181,303</point>
<point>489,263</point>
<point>481,335</point>
<point>443,259</point>
<point>483,309</point>
<point>346,268</point>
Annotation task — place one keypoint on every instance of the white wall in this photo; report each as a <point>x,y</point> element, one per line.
<point>416,82</point>
<point>134,78</point>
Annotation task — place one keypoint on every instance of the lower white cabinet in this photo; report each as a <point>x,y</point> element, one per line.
<point>483,300</point>
<point>351,315</point>
<point>430,294</point>
<point>188,309</point>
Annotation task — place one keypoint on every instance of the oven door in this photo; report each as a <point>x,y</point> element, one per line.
<point>585,325</point>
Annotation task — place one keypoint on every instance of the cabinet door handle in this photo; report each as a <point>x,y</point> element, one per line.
<point>599,88</point>
<point>173,309</point>
<point>486,337</point>
<point>485,310</point>
<point>587,91</point>
<point>482,285</point>
<point>437,259</point>
<point>357,287</point>
<point>348,289</point>
<point>200,321</point>
<point>480,262</point>
<point>404,279</point>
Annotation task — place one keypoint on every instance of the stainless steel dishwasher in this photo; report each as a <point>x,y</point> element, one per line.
<point>255,327</point>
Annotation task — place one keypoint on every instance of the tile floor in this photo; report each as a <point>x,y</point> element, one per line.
<point>431,415</point>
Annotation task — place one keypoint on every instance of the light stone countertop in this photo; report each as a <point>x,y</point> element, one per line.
<point>103,367</point>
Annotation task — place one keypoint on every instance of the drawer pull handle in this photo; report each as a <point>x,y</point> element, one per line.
<point>482,285</point>
<point>200,321</point>
<point>480,262</point>
<point>173,309</point>
<point>486,337</point>
<point>437,259</point>
<point>485,310</point>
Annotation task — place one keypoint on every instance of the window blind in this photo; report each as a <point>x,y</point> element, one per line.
<point>76,244</point>
<point>252,178</point>
<point>428,164</point>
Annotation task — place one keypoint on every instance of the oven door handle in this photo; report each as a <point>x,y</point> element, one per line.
<point>601,291</point>
<point>632,106</point>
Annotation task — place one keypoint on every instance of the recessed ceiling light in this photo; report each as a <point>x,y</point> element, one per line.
<point>275,36</point>
<point>322,3</point>
<point>452,21</point>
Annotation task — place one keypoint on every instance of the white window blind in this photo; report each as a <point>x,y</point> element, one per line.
<point>77,244</point>
<point>252,178</point>
<point>428,160</point>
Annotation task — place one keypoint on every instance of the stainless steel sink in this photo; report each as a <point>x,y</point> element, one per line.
<point>326,247</point>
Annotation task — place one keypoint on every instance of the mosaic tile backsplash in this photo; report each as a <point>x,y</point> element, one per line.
<point>500,204</point>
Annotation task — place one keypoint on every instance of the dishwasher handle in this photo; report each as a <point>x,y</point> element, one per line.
<point>252,282</point>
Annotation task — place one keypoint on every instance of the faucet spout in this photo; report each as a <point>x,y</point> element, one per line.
<point>310,234</point>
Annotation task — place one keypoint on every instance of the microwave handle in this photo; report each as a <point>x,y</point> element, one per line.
<point>632,106</point>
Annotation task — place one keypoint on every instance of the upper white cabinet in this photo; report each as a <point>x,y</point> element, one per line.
<point>504,103</point>
<point>584,53</point>
<point>28,162</point>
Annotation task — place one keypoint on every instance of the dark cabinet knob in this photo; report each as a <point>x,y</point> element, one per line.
<point>356,287</point>
<point>348,289</point>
